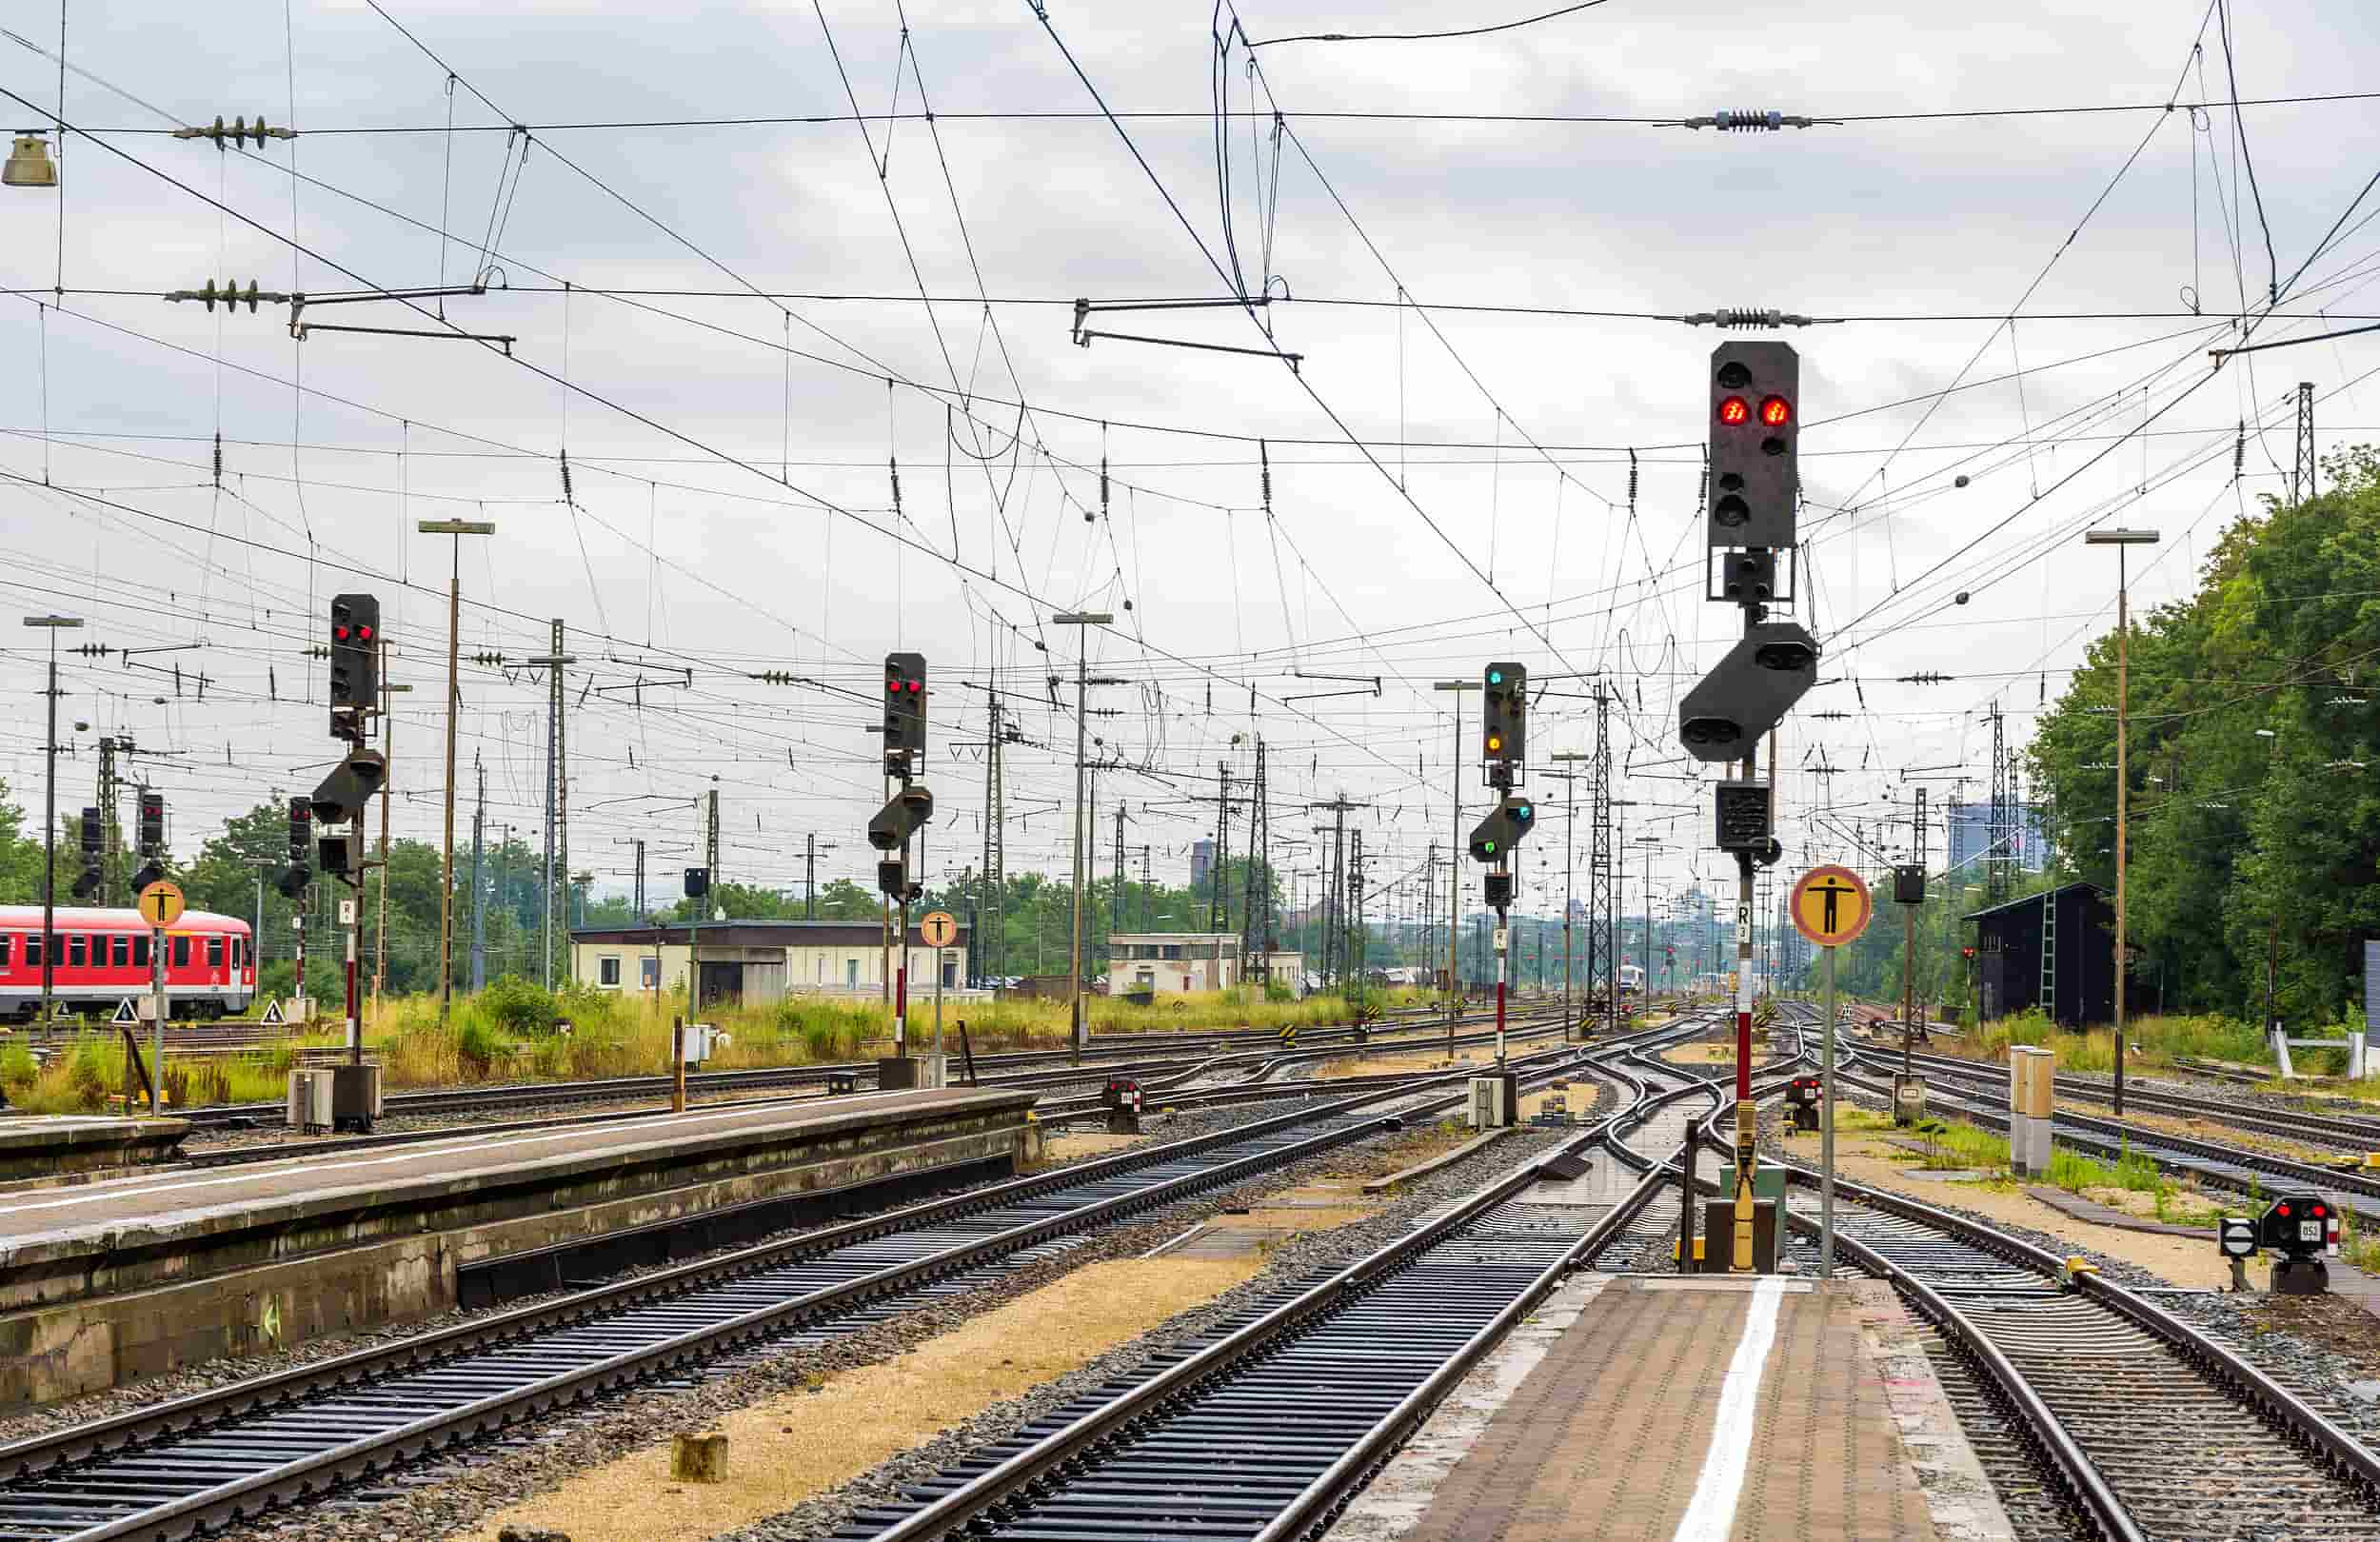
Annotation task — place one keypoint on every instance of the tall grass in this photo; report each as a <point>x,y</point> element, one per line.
<point>509,1033</point>
<point>2151,1040</point>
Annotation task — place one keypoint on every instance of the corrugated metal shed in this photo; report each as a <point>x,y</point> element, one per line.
<point>2053,950</point>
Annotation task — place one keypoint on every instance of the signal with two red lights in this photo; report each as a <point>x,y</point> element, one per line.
<point>355,643</point>
<point>1754,425</point>
<point>904,713</point>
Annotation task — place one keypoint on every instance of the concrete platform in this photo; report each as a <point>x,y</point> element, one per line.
<point>1691,1409</point>
<point>36,1146</point>
<point>116,1280</point>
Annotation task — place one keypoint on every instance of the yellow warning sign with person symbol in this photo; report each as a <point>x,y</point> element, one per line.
<point>1831,905</point>
<point>160,903</point>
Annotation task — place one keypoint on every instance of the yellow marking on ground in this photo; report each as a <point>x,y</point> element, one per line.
<point>1088,1143</point>
<point>792,1446</point>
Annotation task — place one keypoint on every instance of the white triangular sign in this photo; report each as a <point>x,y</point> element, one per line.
<point>272,1011</point>
<point>124,1013</point>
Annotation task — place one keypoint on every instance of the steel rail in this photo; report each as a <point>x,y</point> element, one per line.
<point>251,1495</point>
<point>964,1509</point>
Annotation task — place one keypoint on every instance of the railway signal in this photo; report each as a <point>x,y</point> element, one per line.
<point>1755,430</point>
<point>151,830</point>
<point>1505,723</point>
<point>1749,692</point>
<point>341,798</point>
<point>354,663</point>
<point>296,878</point>
<point>904,714</point>
<point>87,882</point>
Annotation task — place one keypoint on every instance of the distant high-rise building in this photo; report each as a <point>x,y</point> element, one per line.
<point>1969,830</point>
<point>1201,864</point>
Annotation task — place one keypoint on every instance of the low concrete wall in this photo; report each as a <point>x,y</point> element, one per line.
<point>80,1318</point>
<point>35,1146</point>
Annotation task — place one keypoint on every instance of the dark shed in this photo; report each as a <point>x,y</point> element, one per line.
<point>2053,950</point>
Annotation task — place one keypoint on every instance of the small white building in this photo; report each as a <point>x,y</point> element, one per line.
<point>756,963</point>
<point>1166,963</point>
<point>1279,967</point>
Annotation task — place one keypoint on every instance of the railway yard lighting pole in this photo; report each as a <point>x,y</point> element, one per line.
<point>2121,541</point>
<point>53,624</point>
<point>458,529</point>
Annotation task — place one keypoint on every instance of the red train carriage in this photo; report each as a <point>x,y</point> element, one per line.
<point>100,957</point>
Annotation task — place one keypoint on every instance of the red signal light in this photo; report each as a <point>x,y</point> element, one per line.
<point>2282,1211</point>
<point>363,634</point>
<point>914,686</point>
<point>339,633</point>
<point>1776,413</point>
<point>2318,1213</point>
<point>1735,412</point>
<point>892,687</point>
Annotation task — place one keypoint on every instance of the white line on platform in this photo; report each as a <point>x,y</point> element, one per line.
<point>1711,1516</point>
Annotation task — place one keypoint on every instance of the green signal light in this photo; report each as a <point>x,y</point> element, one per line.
<point>1489,844</point>
<point>1495,676</point>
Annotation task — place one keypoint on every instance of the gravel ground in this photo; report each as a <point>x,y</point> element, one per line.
<point>438,1501</point>
<point>1296,1264</point>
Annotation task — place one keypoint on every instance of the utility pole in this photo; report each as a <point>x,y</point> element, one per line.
<point>1258,890</point>
<point>388,758</point>
<point>810,848</point>
<point>54,624</point>
<point>112,835</point>
<point>1453,863</point>
<point>991,953</point>
<point>457,529</point>
<point>479,894</point>
<point>1570,853</point>
<point>2123,541</point>
<point>710,834</point>
<point>1355,893</point>
<point>1217,906</point>
<point>2302,469</point>
<point>1081,770</point>
<point>1116,898</point>
<point>557,795</point>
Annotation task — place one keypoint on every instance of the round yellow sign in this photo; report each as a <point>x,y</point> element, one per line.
<point>939,928</point>
<point>1831,905</point>
<point>160,903</point>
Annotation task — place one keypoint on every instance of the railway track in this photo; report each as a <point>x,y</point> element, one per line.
<point>2147,1426</point>
<point>2099,1411</point>
<point>709,1084</point>
<point>1165,1076</point>
<point>235,1453</point>
<point>1263,1427</point>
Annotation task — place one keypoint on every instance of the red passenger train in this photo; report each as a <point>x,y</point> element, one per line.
<point>100,957</point>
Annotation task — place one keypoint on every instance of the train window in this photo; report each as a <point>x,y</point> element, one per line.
<point>140,950</point>
<point>214,960</point>
<point>238,951</point>
<point>33,950</point>
<point>120,952</point>
<point>7,948</point>
<point>77,948</point>
<point>181,952</point>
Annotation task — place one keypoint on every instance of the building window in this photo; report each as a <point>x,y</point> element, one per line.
<point>119,951</point>
<point>950,978</point>
<point>651,968</point>
<point>607,970</point>
<point>181,952</point>
<point>851,973</point>
<point>76,947</point>
<point>214,960</point>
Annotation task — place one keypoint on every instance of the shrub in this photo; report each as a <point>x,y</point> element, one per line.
<point>514,1006</point>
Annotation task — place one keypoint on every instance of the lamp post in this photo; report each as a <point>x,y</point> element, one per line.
<point>2120,540</point>
<point>1082,723</point>
<point>53,624</point>
<point>1454,862</point>
<point>458,529</point>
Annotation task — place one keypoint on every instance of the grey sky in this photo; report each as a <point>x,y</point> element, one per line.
<point>679,555</point>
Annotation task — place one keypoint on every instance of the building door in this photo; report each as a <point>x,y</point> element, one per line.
<point>719,983</point>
